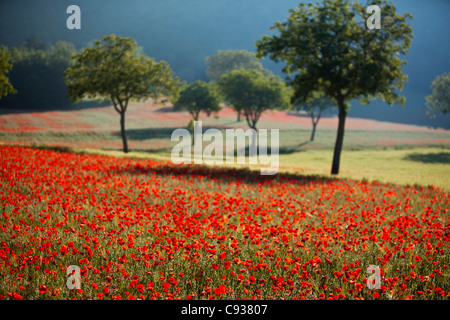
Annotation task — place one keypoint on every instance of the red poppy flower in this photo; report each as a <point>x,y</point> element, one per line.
<point>17,296</point>
<point>43,289</point>
<point>64,250</point>
<point>140,288</point>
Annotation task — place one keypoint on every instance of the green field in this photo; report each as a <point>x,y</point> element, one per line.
<point>413,166</point>
<point>291,140</point>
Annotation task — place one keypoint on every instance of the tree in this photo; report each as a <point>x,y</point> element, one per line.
<point>195,98</point>
<point>5,86</point>
<point>315,108</point>
<point>35,43</point>
<point>38,76</point>
<point>113,70</point>
<point>198,97</point>
<point>327,47</point>
<point>253,93</point>
<point>439,100</point>
<point>225,61</point>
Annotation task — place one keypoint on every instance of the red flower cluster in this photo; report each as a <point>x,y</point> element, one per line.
<point>142,229</point>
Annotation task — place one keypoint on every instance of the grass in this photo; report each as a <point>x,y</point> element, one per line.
<point>291,140</point>
<point>414,166</point>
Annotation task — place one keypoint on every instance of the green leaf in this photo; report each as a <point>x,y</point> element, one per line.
<point>5,85</point>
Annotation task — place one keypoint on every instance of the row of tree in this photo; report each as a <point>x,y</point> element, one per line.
<point>114,70</point>
<point>328,52</point>
<point>37,75</point>
<point>330,59</point>
<point>239,79</point>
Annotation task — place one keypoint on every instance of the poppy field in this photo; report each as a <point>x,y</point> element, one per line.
<point>146,229</point>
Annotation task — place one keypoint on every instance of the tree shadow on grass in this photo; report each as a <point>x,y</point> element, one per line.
<point>159,133</point>
<point>147,133</point>
<point>72,107</point>
<point>440,157</point>
<point>221,174</point>
<point>293,149</point>
<point>167,109</point>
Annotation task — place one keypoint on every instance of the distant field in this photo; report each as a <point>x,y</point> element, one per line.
<point>373,150</point>
<point>149,127</point>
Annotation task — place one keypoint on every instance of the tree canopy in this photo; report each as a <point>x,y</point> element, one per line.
<point>38,75</point>
<point>35,43</point>
<point>250,92</point>
<point>5,85</point>
<point>114,70</point>
<point>439,100</point>
<point>198,97</point>
<point>327,47</point>
<point>225,61</point>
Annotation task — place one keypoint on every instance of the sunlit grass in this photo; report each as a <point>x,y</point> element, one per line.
<point>386,165</point>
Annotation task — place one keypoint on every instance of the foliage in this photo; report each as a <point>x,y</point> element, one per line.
<point>35,43</point>
<point>318,102</point>
<point>327,48</point>
<point>252,93</point>
<point>439,100</point>
<point>314,108</point>
<point>38,76</point>
<point>198,97</point>
<point>225,61</point>
<point>112,69</point>
<point>5,67</point>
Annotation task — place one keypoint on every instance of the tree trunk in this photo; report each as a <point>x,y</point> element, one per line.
<point>239,116</point>
<point>339,138</point>
<point>122,131</point>
<point>315,122</point>
<point>313,133</point>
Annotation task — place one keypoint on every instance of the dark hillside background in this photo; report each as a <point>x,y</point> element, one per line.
<point>184,32</point>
